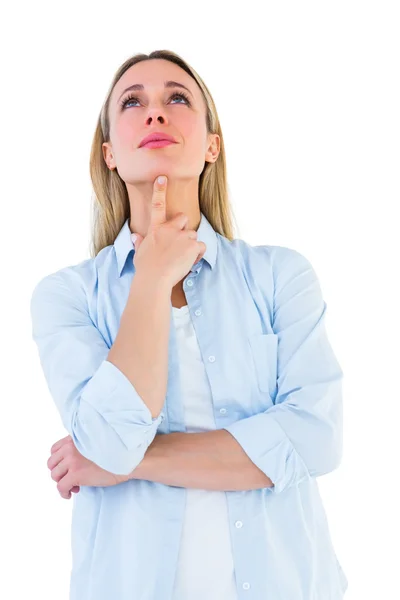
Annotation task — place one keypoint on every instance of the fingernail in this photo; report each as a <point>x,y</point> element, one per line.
<point>133,237</point>
<point>161,179</point>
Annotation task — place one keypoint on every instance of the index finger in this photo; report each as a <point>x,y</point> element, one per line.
<point>158,205</point>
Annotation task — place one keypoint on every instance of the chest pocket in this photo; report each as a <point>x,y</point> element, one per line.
<point>264,352</point>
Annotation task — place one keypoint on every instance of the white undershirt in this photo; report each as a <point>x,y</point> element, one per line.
<point>205,568</point>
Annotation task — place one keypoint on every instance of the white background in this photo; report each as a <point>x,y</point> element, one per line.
<point>308,98</point>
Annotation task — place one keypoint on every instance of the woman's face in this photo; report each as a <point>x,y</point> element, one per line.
<point>136,113</point>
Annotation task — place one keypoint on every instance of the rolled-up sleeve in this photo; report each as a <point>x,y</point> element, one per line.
<point>301,435</point>
<point>107,419</point>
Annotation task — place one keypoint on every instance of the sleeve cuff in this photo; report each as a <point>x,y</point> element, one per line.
<point>114,421</point>
<point>269,448</point>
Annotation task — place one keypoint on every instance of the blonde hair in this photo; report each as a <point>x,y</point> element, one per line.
<point>110,201</point>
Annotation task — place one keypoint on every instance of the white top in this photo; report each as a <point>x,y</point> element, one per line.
<point>205,566</point>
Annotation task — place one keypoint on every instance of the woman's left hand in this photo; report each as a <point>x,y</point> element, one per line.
<point>70,469</point>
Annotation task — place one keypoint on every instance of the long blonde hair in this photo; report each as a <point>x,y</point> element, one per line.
<point>110,201</point>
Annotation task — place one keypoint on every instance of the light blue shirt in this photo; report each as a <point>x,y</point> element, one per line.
<point>259,316</point>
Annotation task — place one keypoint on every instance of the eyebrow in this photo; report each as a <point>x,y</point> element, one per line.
<point>167,84</point>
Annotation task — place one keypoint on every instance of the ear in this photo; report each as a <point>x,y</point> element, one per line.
<point>107,153</point>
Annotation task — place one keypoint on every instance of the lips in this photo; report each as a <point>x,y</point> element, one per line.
<point>156,137</point>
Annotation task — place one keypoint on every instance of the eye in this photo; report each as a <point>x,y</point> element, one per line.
<point>132,98</point>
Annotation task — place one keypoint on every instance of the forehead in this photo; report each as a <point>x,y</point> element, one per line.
<point>152,74</point>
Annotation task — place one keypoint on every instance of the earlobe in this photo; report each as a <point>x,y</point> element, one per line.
<point>212,156</point>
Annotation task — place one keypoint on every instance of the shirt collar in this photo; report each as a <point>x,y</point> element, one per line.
<point>123,244</point>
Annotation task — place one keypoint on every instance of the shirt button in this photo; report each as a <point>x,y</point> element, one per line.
<point>239,524</point>
<point>211,358</point>
<point>222,411</point>
<point>197,312</point>
<point>189,283</point>
<point>246,585</point>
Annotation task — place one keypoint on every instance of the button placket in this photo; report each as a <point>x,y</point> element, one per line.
<point>223,411</point>
<point>211,358</point>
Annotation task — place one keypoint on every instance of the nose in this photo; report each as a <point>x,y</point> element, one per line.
<point>160,118</point>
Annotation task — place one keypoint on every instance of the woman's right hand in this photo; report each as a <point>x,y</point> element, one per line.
<point>169,250</point>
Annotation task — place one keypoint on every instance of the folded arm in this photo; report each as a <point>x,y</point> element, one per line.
<point>211,460</point>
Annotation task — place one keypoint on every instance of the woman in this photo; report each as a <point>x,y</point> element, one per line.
<point>191,370</point>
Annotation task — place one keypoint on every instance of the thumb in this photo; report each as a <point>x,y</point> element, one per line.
<point>137,239</point>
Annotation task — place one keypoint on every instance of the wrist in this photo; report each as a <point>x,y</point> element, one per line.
<point>141,470</point>
<point>156,449</point>
<point>152,283</point>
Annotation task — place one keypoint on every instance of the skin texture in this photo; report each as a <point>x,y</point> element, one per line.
<point>158,110</point>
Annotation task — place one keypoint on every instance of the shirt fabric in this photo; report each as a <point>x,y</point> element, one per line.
<point>251,355</point>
